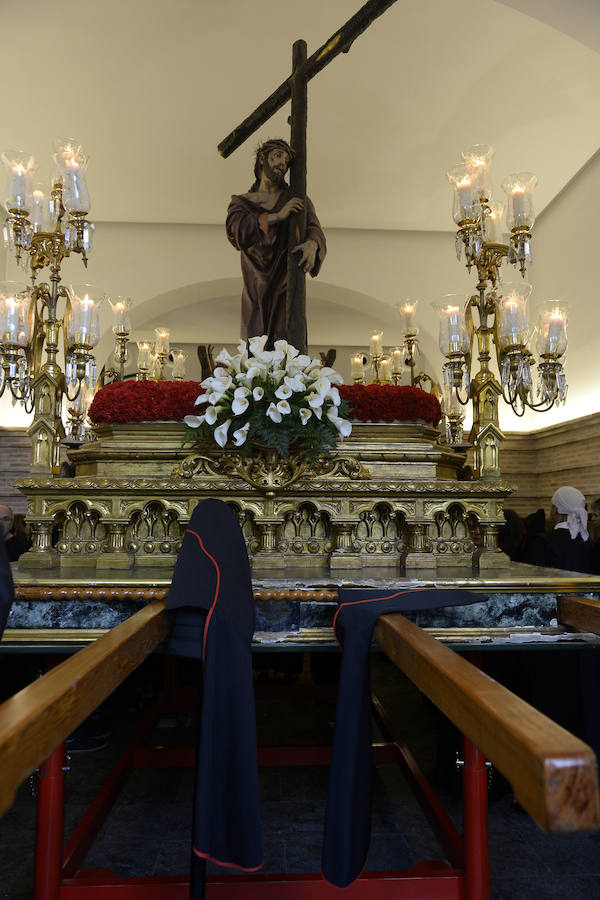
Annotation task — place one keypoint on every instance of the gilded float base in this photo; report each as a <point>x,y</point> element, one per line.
<point>388,496</point>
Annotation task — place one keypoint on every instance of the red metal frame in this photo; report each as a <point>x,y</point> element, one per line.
<point>463,875</point>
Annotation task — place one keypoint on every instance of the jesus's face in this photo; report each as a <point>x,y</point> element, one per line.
<point>276,165</point>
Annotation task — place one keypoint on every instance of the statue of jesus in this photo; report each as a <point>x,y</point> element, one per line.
<point>255,227</point>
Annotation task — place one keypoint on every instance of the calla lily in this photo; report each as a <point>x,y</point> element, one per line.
<point>203,398</point>
<point>258,392</point>
<point>305,414</point>
<point>212,414</point>
<point>343,425</point>
<point>223,357</point>
<point>314,400</point>
<point>295,383</point>
<point>221,433</point>
<point>274,414</point>
<point>283,392</point>
<point>321,386</point>
<point>284,407</point>
<point>334,395</point>
<point>255,371</point>
<point>241,391</point>
<point>239,405</point>
<point>239,436</point>
<point>194,421</point>
<point>257,344</point>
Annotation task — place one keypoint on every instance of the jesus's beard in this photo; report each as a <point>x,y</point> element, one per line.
<point>274,176</point>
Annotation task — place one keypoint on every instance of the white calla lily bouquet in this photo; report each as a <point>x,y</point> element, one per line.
<point>279,397</point>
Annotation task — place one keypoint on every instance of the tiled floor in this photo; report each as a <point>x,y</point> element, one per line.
<point>148,831</point>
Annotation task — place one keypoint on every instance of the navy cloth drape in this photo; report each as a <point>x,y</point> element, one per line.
<point>348,814</point>
<point>213,609</point>
<point>7,588</point>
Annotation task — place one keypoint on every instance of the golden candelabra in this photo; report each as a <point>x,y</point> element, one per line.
<point>501,311</point>
<point>43,230</point>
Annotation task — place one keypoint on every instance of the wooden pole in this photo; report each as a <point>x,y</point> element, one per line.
<point>340,42</point>
<point>295,300</point>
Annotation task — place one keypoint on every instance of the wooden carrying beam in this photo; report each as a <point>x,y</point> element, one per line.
<point>579,612</point>
<point>37,719</point>
<point>553,774</point>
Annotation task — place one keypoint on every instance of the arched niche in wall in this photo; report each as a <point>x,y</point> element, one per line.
<point>209,312</point>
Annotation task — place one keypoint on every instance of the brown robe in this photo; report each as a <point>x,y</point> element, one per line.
<point>263,250</point>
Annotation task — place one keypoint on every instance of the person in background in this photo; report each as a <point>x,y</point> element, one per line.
<point>567,545</point>
<point>512,536</point>
<point>14,531</point>
<point>7,590</point>
<point>20,541</point>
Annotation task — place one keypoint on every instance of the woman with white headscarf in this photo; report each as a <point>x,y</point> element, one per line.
<point>567,546</point>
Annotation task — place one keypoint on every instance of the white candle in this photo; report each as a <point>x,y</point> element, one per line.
<point>162,340</point>
<point>85,315</point>
<point>409,316</point>
<point>376,339</point>
<point>397,360</point>
<point>556,324</point>
<point>11,321</point>
<point>384,369</point>
<point>356,366</point>
<point>464,196</point>
<point>19,187</point>
<point>518,203</point>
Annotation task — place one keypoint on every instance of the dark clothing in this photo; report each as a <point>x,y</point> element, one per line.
<point>213,604</point>
<point>16,546</point>
<point>263,250</point>
<point>348,816</point>
<point>556,549</point>
<point>7,588</point>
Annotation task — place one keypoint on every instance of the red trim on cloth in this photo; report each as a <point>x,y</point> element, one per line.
<point>214,603</point>
<point>228,864</point>
<point>368,600</point>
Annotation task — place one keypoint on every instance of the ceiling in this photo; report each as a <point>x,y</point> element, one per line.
<point>150,88</point>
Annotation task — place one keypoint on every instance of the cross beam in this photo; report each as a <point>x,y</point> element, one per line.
<point>340,42</point>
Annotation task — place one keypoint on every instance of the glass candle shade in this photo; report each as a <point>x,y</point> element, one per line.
<point>453,336</point>
<point>451,405</point>
<point>15,321</point>
<point>83,327</point>
<point>408,308</point>
<point>397,358</point>
<point>161,345</point>
<point>478,160</point>
<point>38,208</point>
<point>385,366</point>
<point>519,207</point>
<point>376,345</point>
<point>494,221</point>
<point>511,309</point>
<point>357,369</point>
<point>178,365</point>
<point>466,197</point>
<point>20,169</point>
<point>76,198</point>
<point>120,308</point>
<point>144,360</point>
<point>552,329</point>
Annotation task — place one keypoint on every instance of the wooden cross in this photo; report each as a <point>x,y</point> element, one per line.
<point>294,88</point>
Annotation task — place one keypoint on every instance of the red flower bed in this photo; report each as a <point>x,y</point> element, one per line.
<point>138,401</point>
<point>389,402</point>
<point>149,401</point>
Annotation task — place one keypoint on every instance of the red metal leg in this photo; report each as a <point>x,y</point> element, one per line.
<point>49,826</point>
<point>475,824</point>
